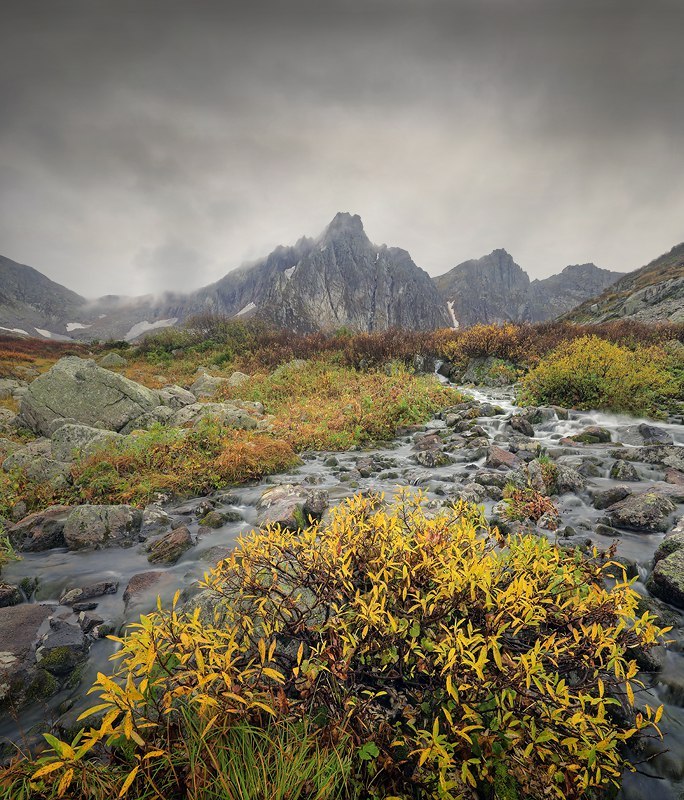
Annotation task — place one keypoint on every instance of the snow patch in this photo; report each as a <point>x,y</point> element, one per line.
<point>14,330</point>
<point>249,307</point>
<point>102,316</point>
<point>46,334</point>
<point>450,306</point>
<point>288,272</point>
<point>142,327</point>
<point>75,326</point>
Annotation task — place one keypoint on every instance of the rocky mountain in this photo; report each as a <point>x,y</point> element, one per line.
<point>340,279</point>
<point>29,299</point>
<point>654,293</point>
<point>496,289</point>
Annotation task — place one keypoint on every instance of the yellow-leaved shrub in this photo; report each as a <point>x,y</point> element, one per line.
<point>459,662</point>
<point>593,373</point>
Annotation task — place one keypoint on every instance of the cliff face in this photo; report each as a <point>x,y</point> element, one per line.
<point>496,289</point>
<point>654,293</point>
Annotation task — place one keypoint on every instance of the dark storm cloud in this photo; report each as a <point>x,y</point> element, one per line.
<point>155,145</point>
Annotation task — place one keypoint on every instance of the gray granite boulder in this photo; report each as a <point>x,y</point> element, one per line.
<point>99,527</point>
<point>77,390</point>
<point>40,531</point>
<point>226,413</point>
<point>169,548</point>
<point>648,512</point>
<point>19,630</point>
<point>291,506</point>
<point>71,441</point>
<point>113,360</point>
<point>206,386</point>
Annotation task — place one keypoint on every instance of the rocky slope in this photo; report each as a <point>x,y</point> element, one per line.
<point>495,289</point>
<point>654,293</point>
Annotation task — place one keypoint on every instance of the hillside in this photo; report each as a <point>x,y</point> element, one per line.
<point>654,293</point>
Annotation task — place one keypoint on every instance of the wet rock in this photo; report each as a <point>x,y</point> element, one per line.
<point>155,518</point>
<point>497,457</point>
<point>216,519</point>
<point>535,477</point>
<point>432,458</point>
<point>99,527</point>
<point>40,531</point>
<point>566,479</point>
<point>77,390</point>
<point>9,595</point>
<point>560,412</point>
<point>291,506</point>
<point>70,441</point>
<point>206,386</point>
<point>87,620</point>
<point>608,497</point>
<point>62,648</point>
<point>18,636</point>
<point>168,549</point>
<point>592,435</point>
<point>82,593</point>
<point>671,543</point>
<point>491,478</point>
<point>113,360</point>
<point>674,476</point>
<point>623,471</point>
<point>666,454</point>
<point>471,493</point>
<point>141,584</point>
<point>666,581</point>
<point>647,512</point>
<point>606,530</point>
<point>643,434</point>
<point>226,413</point>
<point>88,605</point>
<point>522,425</point>
<point>548,521</point>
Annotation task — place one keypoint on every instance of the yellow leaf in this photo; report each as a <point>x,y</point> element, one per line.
<point>129,780</point>
<point>65,782</point>
<point>46,770</point>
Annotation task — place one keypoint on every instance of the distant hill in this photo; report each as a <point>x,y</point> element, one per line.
<point>654,293</point>
<point>496,289</point>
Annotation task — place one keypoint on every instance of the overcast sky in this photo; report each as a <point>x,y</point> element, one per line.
<point>156,144</point>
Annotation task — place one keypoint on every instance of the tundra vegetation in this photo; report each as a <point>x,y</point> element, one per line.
<point>393,651</point>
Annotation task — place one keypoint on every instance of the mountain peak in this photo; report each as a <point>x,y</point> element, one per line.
<point>344,223</point>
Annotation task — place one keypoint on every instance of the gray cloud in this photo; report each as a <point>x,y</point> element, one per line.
<point>156,144</point>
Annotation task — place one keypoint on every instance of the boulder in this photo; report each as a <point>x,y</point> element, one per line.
<point>78,390</point>
<point>608,497</point>
<point>41,530</point>
<point>176,397</point>
<point>237,378</point>
<point>566,479</point>
<point>521,425</point>
<point>19,629</point>
<point>62,648</point>
<point>141,584</point>
<point>36,463</point>
<point>667,579</point>
<point>160,414</point>
<point>290,506</point>
<point>169,548</point>
<point>73,596</point>
<point>643,434</point>
<point>498,457</point>
<point>8,420</point>
<point>99,527</point>
<point>206,386</point>
<point>73,441</point>
<point>674,476</point>
<point>113,360</point>
<point>7,387</point>
<point>10,595</point>
<point>623,471</point>
<point>669,455</point>
<point>592,435</point>
<point>648,512</point>
<point>432,458</point>
<point>226,413</point>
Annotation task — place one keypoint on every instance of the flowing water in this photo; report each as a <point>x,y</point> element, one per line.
<point>392,465</point>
